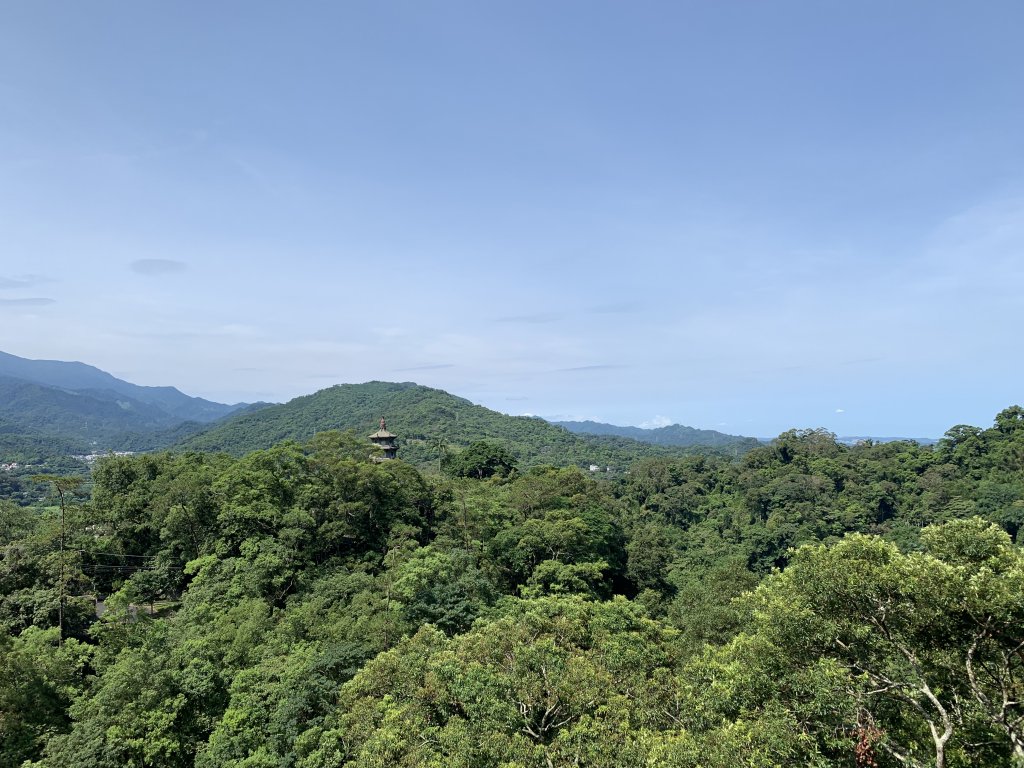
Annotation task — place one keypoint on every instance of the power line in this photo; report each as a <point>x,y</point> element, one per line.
<point>122,568</point>
<point>112,554</point>
<point>114,569</point>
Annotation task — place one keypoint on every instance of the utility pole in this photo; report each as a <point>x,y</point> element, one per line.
<point>60,605</point>
<point>63,486</point>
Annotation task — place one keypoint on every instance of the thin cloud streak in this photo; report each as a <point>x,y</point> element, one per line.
<point>616,308</point>
<point>40,301</point>
<point>151,267</point>
<point>23,281</point>
<point>534,319</point>
<point>437,367</point>
<point>585,368</point>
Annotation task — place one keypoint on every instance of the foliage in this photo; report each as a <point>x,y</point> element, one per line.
<point>552,682</point>
<point>480,460</point>
<point>39,679</point>
<point>304,605</point>
<point>929,641</point>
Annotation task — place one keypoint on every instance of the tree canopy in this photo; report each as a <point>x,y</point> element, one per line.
<point>808,603</point>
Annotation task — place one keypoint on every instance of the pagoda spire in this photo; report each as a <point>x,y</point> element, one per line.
<point>386,441</point>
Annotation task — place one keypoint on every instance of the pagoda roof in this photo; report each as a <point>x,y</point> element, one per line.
<point>382,434</point>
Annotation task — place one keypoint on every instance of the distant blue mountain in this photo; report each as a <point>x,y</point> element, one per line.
<point>854,439</point>
<point>674,434</point>
<point>51,408</point>
<point>82,378</point>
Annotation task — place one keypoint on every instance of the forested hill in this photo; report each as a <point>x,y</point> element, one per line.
<point>86,379</point>
<point>673,434</point>
<point>39,421</point>
<point>429,423</point>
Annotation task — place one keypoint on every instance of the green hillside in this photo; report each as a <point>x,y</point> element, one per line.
<point>99,416</point>
<point>427,421</point>
<point>22,445</point>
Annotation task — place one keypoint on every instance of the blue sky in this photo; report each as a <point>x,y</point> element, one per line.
<point>742,216</point>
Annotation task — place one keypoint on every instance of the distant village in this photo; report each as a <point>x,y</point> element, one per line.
<point>90,458</point>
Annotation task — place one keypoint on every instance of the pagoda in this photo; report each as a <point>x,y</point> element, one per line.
<point>385,441</point>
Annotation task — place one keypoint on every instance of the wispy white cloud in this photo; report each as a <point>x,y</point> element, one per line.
<point>977,251</point>
<point>391,333</point>
<point>143,150</point>
<point>656,422</point>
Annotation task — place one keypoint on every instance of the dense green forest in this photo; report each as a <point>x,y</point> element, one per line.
<point>431,423</point>
<point>303,605</point>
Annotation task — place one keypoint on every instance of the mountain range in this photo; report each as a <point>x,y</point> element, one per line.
<point>55,407</point>
<point>52,406</point>
<point>89,380</point>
